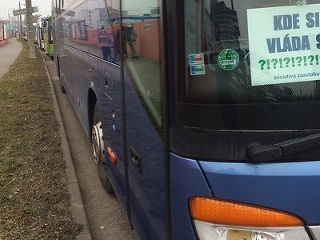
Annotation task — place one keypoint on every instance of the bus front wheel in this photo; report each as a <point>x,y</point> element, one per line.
<point>98,150</point>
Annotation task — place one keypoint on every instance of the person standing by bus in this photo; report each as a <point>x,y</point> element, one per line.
<point>120,41</point>
<point>105,44</point>
<point>131,36</point>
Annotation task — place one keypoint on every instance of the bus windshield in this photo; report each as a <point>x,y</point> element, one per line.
<point>250,67</point>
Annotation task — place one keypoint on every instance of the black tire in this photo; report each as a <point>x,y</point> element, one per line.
<point>63,90</point>
<point>98,150</point>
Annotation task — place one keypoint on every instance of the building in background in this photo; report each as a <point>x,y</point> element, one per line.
<point>3,32</point>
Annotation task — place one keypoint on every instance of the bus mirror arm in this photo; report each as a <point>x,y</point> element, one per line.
<point>265,153</point>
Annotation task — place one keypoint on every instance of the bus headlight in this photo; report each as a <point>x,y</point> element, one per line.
<point>216,219</point>
<point>207,231</point>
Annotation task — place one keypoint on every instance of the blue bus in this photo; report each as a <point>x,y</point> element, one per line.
<point>203,114</point>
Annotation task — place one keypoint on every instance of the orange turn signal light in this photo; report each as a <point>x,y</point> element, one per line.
<point>239,214</point>
<point>112,155</point>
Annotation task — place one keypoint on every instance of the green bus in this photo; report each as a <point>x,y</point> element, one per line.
<point>47,36</point>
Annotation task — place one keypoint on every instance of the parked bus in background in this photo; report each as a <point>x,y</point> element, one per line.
<point>47,36</point>
<point>205,120</point>
<point>39,32</point>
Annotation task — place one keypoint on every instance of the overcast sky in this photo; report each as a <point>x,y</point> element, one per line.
<point>7,6</point>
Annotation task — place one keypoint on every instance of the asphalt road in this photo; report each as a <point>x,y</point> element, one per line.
<point>105,217</point>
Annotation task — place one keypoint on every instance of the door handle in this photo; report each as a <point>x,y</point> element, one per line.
<point>136,160</point>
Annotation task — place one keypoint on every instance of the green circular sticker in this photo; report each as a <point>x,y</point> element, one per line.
<point>228,59</point>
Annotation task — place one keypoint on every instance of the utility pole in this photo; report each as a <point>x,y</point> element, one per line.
<point>20,19</point>
<point>32,53</point>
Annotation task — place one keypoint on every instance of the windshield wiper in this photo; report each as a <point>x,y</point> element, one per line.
<point>265,153</point>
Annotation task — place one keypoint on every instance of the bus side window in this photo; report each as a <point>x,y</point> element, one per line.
<point>142,56</point>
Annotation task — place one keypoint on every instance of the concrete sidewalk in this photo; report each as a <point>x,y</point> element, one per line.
<point>8,54</point>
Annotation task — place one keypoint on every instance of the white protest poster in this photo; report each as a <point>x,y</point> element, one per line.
<point>284,44</point>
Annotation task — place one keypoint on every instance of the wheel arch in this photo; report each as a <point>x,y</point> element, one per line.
<point>101,165</point>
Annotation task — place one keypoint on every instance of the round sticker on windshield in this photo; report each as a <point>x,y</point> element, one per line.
<point>228,59</point>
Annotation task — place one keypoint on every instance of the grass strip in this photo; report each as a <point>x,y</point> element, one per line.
<point>34,199</point>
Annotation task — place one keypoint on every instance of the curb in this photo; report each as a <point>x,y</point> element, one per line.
<point>76,201</point>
